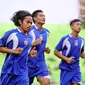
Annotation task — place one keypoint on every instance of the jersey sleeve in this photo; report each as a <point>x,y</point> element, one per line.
<point>83,42</point>
<point>48,32</point>
<point>59,46</point>
<point>82,50</point>
<point>3,40</point>
<point>10,37</point>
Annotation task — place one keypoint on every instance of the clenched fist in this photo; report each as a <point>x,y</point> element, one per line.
<point>33,52</point>
<point>18,50</point>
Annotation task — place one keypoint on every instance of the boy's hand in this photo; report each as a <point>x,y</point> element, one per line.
<point>18,50</point>
<point>47,50</point>
<point>33,52</point>
<point>70,60</point>
<point>37,42</point>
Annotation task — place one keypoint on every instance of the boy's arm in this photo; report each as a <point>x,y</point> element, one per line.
<point>36,42</point>
<point>7,50</point>
<point>83,55</point>
<point>59,55</point>
<point>82,52</point>
<point>33,52</point>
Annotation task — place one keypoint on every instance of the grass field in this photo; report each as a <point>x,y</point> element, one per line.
<point>56,32</point>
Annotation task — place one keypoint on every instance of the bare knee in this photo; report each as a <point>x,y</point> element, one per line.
<point>75,84</point>
<point>43,81</point>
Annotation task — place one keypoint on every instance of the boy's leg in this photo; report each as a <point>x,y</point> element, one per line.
<point>76,80</point>
<point>43,76</point>
<point>6,79</point>
<point>22,79</point>
<point>43,80</point>
<point>11,79</point>
<point>65,77</point>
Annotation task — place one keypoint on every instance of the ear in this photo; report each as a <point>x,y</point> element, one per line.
<point>20,22</point>
<point>34,18</point>
<point>71,27</point>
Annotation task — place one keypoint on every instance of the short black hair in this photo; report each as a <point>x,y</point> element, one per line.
<point>20,15</point>
<point>34,14</point>
<point>74,20</point>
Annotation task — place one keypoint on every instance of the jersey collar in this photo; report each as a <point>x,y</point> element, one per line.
<point>18,29</point>
<point>35,26</point>
<point>21,31</point>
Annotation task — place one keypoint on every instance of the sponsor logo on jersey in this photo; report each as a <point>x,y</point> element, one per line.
<point>26,41</point>
<point>76,43</point>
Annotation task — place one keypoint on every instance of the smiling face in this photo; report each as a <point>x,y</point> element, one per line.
<point>76,26</point>
<point>25,24</point>
<point>40,18</point>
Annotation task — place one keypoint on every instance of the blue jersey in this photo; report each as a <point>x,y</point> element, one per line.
<point>70,47</point>
<point>39,59</point>
<point>16,64</point>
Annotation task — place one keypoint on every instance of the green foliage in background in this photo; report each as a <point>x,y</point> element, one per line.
<point>56,32</point>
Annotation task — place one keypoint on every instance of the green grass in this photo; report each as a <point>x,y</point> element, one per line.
<point>56,32</point>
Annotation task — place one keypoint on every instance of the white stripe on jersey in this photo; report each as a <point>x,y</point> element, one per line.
<point>66,42</point>
<point>33,35</point>
<point>14,38</point>
<point>82,43</point>
<point>29,50</point>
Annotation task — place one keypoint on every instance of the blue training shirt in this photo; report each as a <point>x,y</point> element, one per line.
<point>39,60</point>
<point>16,64</point>
<point>70,47</point>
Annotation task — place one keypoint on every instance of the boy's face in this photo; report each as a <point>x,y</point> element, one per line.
<point>26,23</point>
<point>76,26</point>
<point>40,18</point>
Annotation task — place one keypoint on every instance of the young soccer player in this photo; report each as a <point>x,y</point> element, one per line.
<point>18,43</point>
<point>37,66</point>
<point>72,47</point>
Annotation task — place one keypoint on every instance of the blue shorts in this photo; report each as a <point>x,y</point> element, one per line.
<point>11,79</point>
<point>35,72</point>
<point>69,77</point>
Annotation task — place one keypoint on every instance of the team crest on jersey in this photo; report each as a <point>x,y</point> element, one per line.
<point>76,43</point>
<point>26,41</point>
